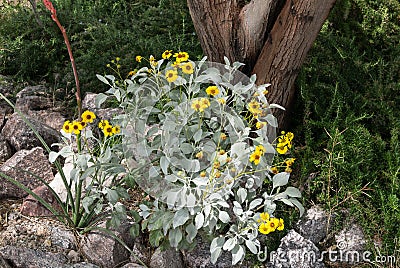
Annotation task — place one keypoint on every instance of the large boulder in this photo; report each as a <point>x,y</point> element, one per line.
<point>33,98</point>
<point>166,258</point>
<point>33,161</point>
<point>32,207</point>
<point>103,250</point>
<point>200,256</point>
<point>314,224</point>
<point>21,136</point>
<point>295,251</point>
<point>24,257</point>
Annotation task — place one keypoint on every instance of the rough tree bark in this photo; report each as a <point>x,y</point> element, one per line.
<point>272,37</point>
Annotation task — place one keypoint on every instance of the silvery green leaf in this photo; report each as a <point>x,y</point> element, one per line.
<point>224,216</point>
<point>223,203</point>
<point>191,200</point>
<point>280,179</point>
<point>175,236</point>
<point>249,183</point>
<point>153,172</point>
<point>253,78</point>
<point>238,149</point>
<point>286,201</point>
<point>227,62</point>
<point>186,148</point>
<point>229,244</point>
<point>180,217</point>
<point>191,231</point>
<point>216,243</point>
<point>237,65</point>
<point>215,254</point>
<point>53,156</point>
<point>293,192</point>
<point>272,121</point>
<point>199,220</point>
<point>298,205</point>
<point>171,198</point>
<point>102,79</point>
<point>255,203</point>
<point>237,208</point>
<point>112,196</point>
<point>241,194</point>
<point>251,246</point>
<point>197,135</point>
<point>199,181</point>
<point>207,210</point>
<point>237,254</point>
<point>99,99</point>
<point>164,163</point>
<point>171,178</point>
<point>215,196</point>
<point>274,105</point>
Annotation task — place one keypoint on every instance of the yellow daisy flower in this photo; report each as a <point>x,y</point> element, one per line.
<point>281,225</point>
<point>76,127</point>
<point>88,116</point>
<point>67,127</point>
<point>108,131</point>
<point>255,157</point>
<point>167,54</point>
<point>274,170</point>
<point>171,75</point>
<point>205,102</point>
<point>273,224</point>
<point>263,228</point>
<point>197,105</point>
<point>212,90</point>
<point>181,56</point>
<point>103,124</point>
<point>254,107</point>
<point>221,101</point>
<point>261,149</point>
<point>116,129</point>
<point>187,68</point>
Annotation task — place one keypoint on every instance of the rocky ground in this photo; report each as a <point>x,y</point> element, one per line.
<point>30,241</point>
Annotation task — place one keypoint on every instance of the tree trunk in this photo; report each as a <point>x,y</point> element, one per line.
<point>272,37</point>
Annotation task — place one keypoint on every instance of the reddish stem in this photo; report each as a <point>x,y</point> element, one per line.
<point>50,7</point>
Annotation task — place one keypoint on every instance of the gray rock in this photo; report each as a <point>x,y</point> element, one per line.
<point>80,265</point>
<point>21,136</point>
<point>167,258</point>
<point>133,265</point>
<point>51,118</point>
<point>32,207</point>
<point>24,257</point>
<point>200,256</point>
<point>313,225</point>
<point>88,101</point>
<point>295,251</point>
<point>4,263</point>
<point>63,238</point>
<point>350,246</point>
<point>73,256</point>
<point>5,151</point>
<point>103,250</point>
<point>33,161</point>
